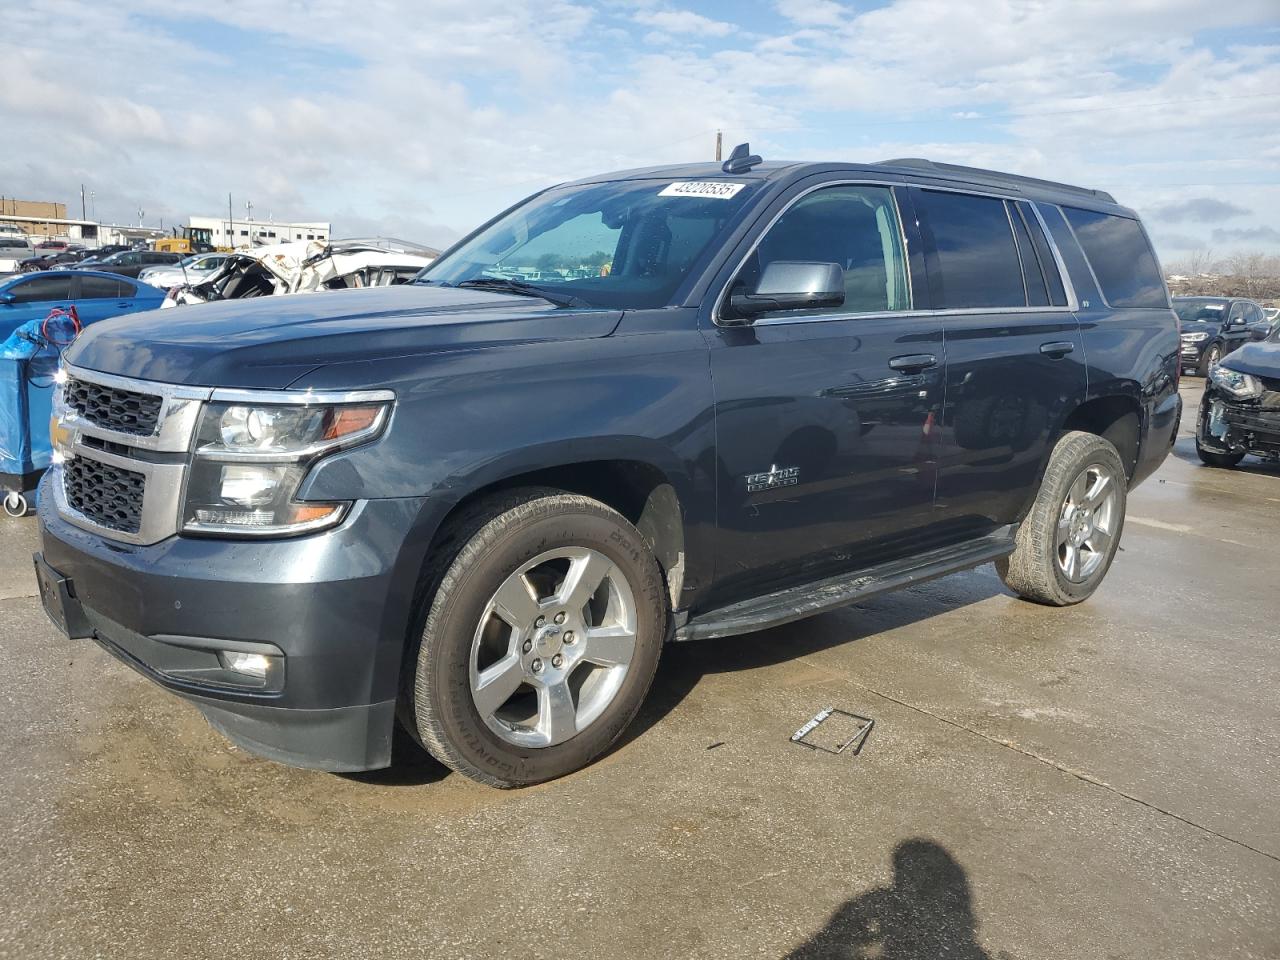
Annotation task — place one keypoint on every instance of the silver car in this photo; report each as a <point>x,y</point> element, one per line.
<point>193,269</point>
<point>13,250</point>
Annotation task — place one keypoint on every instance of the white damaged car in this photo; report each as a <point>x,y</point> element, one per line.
<point>304,266</point>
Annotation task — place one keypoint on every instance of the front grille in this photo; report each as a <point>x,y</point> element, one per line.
<point>109,496</point>
<point>123,411</point>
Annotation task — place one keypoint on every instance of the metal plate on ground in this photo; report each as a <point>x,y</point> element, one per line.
<point>833,730</point>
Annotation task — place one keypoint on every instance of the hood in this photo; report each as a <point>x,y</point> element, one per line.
<point>269,342</point>
<point>1260,358</point>
<point>1200,326</point>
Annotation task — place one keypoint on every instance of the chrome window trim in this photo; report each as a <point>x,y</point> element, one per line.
<point>1072,305</point>
<point>1073,302</point>
<point>716,310</point>
<point>1017,249</point>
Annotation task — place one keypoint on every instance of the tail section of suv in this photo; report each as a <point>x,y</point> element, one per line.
<point>673,403</point>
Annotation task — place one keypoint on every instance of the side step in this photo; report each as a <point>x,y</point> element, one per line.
<point>796,603</point>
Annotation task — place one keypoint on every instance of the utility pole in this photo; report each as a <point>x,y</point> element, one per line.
<point>231,224</point>
<point>82,216</point>
<point>719,140</point>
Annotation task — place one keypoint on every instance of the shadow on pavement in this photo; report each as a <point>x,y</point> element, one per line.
<point>927,913</point>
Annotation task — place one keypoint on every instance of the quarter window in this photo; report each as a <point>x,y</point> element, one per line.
<point>853,226</point>
<point>973,262</point>
<point>1121,258</point>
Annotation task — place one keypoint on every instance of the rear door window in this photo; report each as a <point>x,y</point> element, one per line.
<point>104,288</point>
<point>1037,292</point>
<point>972,256</point>
<point>1121,258</point>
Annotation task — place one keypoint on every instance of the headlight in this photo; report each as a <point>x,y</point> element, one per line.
<point>251,459</point>
<point>1195,337</point>
<point>1234,382</point>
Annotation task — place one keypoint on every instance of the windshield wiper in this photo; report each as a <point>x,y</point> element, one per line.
<point>524,289</point>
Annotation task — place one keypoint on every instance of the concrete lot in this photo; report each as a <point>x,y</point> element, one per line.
<point>1092,782</point>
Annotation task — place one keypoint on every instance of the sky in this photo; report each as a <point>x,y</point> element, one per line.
<point>422,118</point>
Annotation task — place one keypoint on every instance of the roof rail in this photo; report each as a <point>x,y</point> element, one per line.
<point>995,176</point>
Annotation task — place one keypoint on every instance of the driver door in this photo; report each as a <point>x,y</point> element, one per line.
<point>825,418</point>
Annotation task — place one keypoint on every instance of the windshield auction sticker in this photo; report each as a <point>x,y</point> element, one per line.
<point>716,189</point>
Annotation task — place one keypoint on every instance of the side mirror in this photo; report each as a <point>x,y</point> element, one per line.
<point>1259,331</point>
<point>792,285</point>
<point>8,297</point>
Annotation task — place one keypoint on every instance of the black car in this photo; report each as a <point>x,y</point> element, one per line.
<point>479,504</point>
<point>1240,411</point>
<point>1213,327</point>
<point>129,263</point>
<point>49,261</point>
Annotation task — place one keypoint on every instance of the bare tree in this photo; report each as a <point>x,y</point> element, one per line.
<point>1198,262</point>
<point>1251,271</point>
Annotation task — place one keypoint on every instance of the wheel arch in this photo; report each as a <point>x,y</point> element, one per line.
<point>1116,418</point>
<point>647,494</point>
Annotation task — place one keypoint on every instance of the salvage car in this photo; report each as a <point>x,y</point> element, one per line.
<point>1213,327</point>
<point>1240,411</point>
<point>302,266</point>
<point>478,506</point>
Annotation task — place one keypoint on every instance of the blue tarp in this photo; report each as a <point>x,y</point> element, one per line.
<point>28,360</point>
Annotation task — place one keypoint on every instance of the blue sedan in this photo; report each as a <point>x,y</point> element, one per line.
<point>96,296</point>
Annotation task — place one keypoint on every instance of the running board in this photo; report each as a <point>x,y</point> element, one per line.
<point>796,603</point>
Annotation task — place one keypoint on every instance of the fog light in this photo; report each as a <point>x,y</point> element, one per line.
<point>250,664</point>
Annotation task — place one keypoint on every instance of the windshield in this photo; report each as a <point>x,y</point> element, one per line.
<point>626,244</point>
<point>1206,311</point>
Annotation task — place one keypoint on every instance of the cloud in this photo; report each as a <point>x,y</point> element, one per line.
<point>1247,235</point>
<point>428,116</point>
<point>822,13</point>
<point>1199,210</point>
<point>684,23</point>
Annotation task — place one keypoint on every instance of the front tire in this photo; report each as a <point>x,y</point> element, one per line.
<point>1066,544</point>
<point>541,640</point>
<point>1211,358</point>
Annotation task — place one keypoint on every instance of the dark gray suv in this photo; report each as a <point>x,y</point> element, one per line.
<point>670,404</point>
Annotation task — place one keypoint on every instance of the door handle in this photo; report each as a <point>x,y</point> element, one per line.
<point>1057,349</point>
<point>913,362</point>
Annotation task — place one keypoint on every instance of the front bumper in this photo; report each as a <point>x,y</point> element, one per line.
<point>1229,425</point>
<point>1192,353</point>
<point>335,605</point>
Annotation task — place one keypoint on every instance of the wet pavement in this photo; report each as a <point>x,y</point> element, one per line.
<point>1093,782</point>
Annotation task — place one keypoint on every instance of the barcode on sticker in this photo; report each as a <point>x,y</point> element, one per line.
<point>715,189</point>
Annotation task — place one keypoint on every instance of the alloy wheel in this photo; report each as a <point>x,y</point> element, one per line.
<point>1087,523</point>
<point>553,646</point>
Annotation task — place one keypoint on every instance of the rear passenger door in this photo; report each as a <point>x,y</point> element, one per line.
<point>1015,360</point>
<point>102,297</point>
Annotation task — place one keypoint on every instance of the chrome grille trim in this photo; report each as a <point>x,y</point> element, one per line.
<point>164,478</point>
<point>175,423</point>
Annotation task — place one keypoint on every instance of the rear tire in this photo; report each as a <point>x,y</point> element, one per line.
<point>1066,544</point>
<point>516,610</point>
